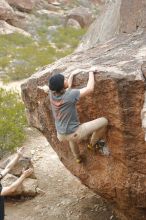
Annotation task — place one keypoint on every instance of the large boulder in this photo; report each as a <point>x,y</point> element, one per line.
<point>73,23</point>
<point>21,20</point>
<point>117,16</point>
<point>119,96</point>
<point>22,5</point>
<point>81,14</point>
<point>6,12</point>
<point>6,28</point>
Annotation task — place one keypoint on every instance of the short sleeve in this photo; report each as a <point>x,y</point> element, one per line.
<point>74,95</point>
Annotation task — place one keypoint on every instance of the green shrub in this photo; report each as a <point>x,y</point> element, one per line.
<point>12,121</point>
<point>68,37</point>
<point>21,56</point>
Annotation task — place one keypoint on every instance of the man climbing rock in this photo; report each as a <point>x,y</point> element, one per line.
<point>5,191</point>
<point>63,101</point>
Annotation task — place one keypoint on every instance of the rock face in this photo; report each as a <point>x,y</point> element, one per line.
<point>117,16</point>
<point>6,28</point>
<point>82,15</point>
<point>73,23</point>
<point>23,14</point>
<point>23,5</point>
<point>6,12</point>
<point>119,96</point>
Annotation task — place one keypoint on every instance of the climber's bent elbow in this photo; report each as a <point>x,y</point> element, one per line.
<point>85,91</point>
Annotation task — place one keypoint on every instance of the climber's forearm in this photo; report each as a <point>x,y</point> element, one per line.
<point>13,187</point>
<point>70,80</point>
<point>71,77</point>
<point>13,162</point>
<point>91,82</point>
<point>10,165</point>
<point>90,86</point>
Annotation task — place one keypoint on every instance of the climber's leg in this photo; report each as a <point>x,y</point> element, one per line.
<point>75,151</point>
<point>96,127</point>
<point>98,134</point>
<point>61,137</point>
<point>73,145</point>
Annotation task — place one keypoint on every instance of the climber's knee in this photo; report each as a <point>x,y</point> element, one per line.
<point>60,137</point>
<point>104,121</point>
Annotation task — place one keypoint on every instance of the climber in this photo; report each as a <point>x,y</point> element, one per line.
<point>5,191</point>
<point>63,101</point>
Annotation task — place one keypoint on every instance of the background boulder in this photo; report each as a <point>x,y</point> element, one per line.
<point>82,15</point>
<point>22,5</point>
<point>117,16</point>
<point>6,12</point>
<point>6,28</point>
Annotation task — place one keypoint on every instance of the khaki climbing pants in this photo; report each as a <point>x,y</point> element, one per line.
<point>96,127</point>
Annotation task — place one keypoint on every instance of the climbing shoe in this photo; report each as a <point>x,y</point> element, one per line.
<point>79,160</point>
<point>103,148</point>
<point>90,147</point>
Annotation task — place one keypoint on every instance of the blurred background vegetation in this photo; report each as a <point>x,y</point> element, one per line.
<point>12,121</point>
<point>21,56</point>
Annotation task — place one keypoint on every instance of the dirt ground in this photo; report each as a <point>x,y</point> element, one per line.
<point>65,197</point>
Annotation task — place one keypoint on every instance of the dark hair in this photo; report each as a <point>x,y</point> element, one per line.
<point>56,82</point>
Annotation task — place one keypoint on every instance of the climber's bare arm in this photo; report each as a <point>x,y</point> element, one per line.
<point>77,71</point>
<point>13,162</point>
<point>13,187</point>
<point>70,80</point>
<point>90,85</point>
<point>71,77</point>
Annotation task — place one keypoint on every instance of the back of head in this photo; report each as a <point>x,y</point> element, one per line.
<point>56,83</point>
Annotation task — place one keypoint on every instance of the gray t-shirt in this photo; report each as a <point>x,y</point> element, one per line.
<point>64,111</point>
